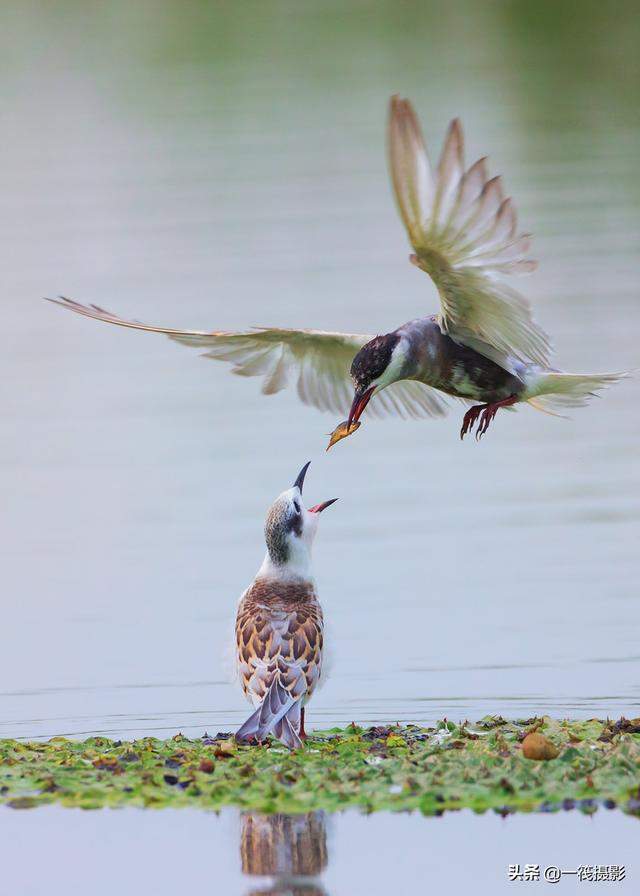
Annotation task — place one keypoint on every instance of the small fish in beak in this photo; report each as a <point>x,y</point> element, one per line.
<point>360,400</point>
<point>341,431</point>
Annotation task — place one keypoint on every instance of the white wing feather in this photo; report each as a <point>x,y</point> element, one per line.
<point>317,360</point>
<point>464,233</point>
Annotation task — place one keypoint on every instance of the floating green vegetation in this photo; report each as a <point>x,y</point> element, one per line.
<point>478,766</point>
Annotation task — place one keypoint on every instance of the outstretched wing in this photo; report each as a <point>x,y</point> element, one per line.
<point>317,360</point>
<point>464,233</point>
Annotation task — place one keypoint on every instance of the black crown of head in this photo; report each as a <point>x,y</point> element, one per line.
<point>373,358</point>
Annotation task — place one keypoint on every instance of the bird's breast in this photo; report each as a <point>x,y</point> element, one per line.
<point>457,369</point>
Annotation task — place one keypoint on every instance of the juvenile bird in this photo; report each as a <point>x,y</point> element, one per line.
<point>482,347</point>
<point>279,624</point>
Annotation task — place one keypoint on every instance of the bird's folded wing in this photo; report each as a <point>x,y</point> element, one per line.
<point>318,361</point>
<point>464,233</point>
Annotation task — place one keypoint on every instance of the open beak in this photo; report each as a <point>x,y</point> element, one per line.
<point>318,508</point>
<point>303,472</point>
<point>360,401</point>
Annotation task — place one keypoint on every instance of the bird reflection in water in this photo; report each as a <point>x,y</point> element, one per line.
<point>290,849</point>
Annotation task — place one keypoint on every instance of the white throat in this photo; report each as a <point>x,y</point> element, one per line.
<point>394,370</point>
<point>298,565</point>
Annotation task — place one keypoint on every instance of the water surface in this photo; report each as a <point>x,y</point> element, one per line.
<point>180,850</point>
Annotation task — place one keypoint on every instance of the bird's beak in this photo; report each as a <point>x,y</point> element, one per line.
<point>318,508</point>
<point>360,401</point>
<point>300,480</point>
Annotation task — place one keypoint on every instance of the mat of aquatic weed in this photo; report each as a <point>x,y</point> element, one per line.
<point>479,766</point>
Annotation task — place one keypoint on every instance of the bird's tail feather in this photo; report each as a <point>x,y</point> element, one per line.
<point>553,391</point>
<point>278,713</point>
<point>286,732</point>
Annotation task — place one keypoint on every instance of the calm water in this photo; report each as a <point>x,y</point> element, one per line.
<point>179,851</point>
<point>221,166</point>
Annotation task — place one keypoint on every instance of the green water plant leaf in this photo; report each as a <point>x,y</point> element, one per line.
<point>479,766</point>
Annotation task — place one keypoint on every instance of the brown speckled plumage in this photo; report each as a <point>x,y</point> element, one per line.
<point>279,624</point>
<point>279,632</point>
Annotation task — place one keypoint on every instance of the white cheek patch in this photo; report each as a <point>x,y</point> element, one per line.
<point>395,367</point>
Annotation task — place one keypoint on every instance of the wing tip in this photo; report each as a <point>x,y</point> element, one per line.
<point>455,128</point>
<point>63,301</point>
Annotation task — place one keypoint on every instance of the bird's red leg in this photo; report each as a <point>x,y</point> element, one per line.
<point>302,733</point>
<point>488,413</point>
<point>470,419</point>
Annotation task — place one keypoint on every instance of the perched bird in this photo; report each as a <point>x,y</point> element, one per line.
<point>279,624</point>
<point>482,347</point>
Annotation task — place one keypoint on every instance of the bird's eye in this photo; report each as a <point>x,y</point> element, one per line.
<point>296,507</point>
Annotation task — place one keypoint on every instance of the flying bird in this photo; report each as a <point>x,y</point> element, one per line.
<point>482,347</point>
<point>279,624</point>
